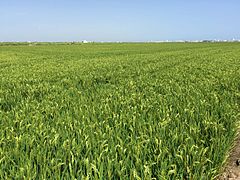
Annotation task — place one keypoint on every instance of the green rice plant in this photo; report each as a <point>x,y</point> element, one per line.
<point>117,111</point>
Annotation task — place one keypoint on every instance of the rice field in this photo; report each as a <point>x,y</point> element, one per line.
<point>117,111</point>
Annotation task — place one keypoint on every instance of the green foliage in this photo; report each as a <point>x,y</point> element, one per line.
<point>117,111</point>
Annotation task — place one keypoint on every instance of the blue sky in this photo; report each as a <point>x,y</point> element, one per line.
<point>118,20</point>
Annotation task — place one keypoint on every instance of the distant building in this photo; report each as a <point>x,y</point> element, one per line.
<point>85,41</point>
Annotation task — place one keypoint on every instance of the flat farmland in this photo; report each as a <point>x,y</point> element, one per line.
<point>117,110</point>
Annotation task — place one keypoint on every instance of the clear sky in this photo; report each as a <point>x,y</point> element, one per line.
<point>118,20</point>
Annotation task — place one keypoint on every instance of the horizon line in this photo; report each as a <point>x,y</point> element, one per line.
<point>149,41</point>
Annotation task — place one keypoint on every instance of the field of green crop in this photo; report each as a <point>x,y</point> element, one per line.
<point>117,111</point>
